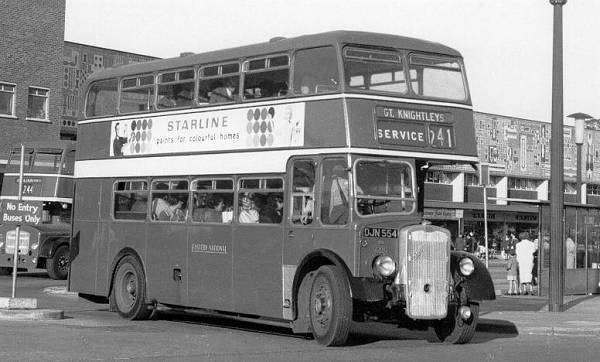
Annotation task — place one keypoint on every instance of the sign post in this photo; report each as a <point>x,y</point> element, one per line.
<point>18,213</point>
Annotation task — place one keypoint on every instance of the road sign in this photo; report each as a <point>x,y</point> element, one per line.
<point>21,212</point>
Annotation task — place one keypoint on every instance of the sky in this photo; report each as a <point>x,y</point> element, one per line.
<point>506,44</point>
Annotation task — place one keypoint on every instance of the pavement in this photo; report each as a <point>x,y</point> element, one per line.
<point>527,314</point>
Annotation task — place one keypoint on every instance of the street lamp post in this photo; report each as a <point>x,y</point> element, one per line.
<point>556,286</point>
<point>580,119</point>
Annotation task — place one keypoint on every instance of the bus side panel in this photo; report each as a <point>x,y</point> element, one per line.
<point>93,141</point>
<point>165,262</point>
<point>324,124</point>
<point>87,239</point>
<point>257,273</point>
<point>210,254</point>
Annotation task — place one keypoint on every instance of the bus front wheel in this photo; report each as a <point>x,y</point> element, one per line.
<point>129,290</point>
<point>454,329</point>
<point>58,265</point>
<point>330,306</point>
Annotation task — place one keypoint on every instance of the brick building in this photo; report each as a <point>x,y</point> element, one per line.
<point>30,70</point>
<point>41,75</point>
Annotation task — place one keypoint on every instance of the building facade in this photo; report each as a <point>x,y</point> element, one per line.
<point>31,44</point>
<point>79,61</point>
<point>41,75</point>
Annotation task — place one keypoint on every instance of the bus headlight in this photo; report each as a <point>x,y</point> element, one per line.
<point>384,266</point>
<point>466,266</point>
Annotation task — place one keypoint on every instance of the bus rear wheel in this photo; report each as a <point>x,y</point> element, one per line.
<point>454,329</point>
<point>58,265</point>
<point>330,306</point>
<point>129,290</point>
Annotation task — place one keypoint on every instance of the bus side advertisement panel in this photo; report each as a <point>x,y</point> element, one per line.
<point>260,127</point>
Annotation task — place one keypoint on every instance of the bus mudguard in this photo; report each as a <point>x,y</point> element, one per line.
<point>477,286</point>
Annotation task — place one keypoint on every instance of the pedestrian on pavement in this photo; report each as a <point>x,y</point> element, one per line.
<point>459,243</point>
<point>524,251</point>
<point>571,253</point>
<point>512,274</point>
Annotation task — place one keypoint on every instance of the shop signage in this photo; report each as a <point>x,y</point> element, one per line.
<point>443,214</point>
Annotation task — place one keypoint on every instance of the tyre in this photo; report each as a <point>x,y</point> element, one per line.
<point>453,329</point>
<point>129,290</point>
<point>58,265</point>
<point>330,306</point>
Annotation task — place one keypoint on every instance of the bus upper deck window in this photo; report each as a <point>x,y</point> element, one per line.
<point>101,98</point>
<point>137,94</point>
<point>267,77</point>
<point>175,89</point>
<point>315,71</point>
<point>375,69</point>
<point>219,83</point>
<point>437,77</point>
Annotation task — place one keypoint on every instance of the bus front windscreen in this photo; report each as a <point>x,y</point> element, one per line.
<point>384,187</point>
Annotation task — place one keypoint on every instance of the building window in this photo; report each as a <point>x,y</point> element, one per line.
<point>593,189</point>
<point>515,183</point>
<point>471,179</point>
<point>37,103</point>
<point>7,99</point>
<point>570,188</point>
<point>438,177</point>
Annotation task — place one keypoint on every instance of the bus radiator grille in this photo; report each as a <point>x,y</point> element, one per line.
<point>427,269</point>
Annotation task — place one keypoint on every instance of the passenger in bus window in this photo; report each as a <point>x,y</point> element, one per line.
<point>167,208</point>
<point>223,91</point>
<point>307,85</point>
<point>139,203</point>
<point>248,214</point>
<point>272,212</point>
<point>214,211</point>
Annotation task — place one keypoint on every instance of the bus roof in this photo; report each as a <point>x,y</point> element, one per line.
<point>280,45</point>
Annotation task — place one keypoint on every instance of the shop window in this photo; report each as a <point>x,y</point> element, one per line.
<point>37,103</point>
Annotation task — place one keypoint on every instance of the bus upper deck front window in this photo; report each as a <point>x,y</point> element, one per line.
<point>384,187</point>
<point>101,98</point>
<point>437,77</point>
<point>375,70</point>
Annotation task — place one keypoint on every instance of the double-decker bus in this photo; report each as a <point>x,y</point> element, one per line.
<point>47,177</point>
<point>279,182</point>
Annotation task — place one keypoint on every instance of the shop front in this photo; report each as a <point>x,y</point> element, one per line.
<point>581,253</point>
